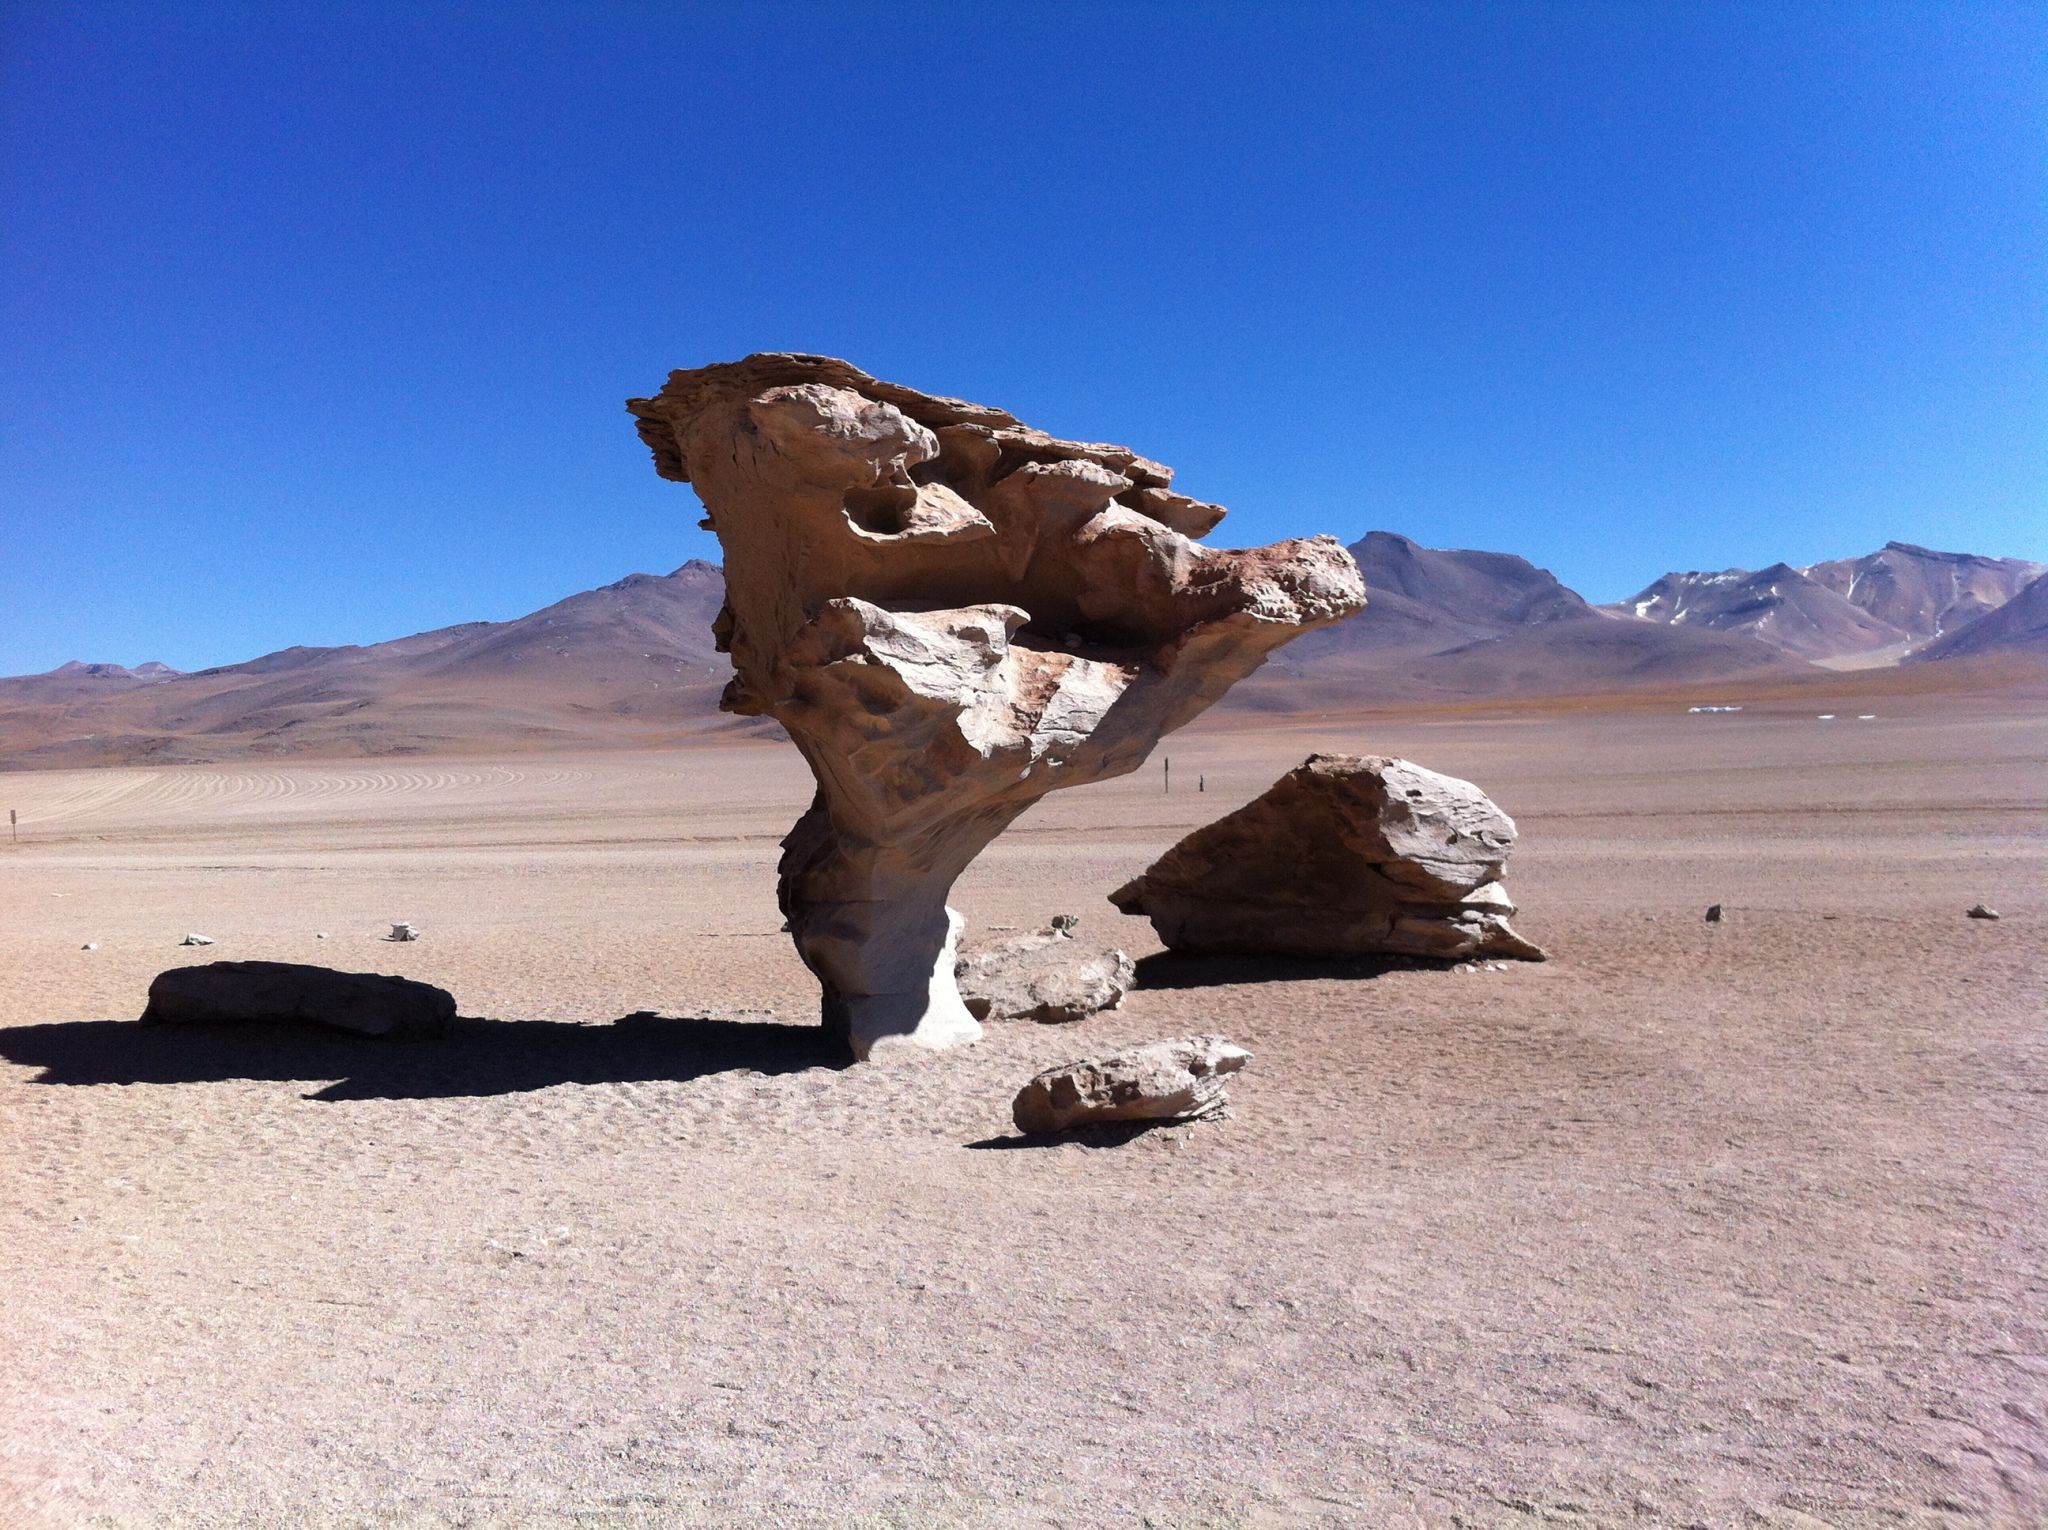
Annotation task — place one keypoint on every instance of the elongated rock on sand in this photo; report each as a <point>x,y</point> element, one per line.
<point>952,614</point>
<point>1179,1080</point>
<point>366,1003</point>
<point>1345,855</point>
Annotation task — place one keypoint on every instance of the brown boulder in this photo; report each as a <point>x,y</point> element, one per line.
<point>1343,856</point>
<point>1046,976</point>
<point>1181,1080</point>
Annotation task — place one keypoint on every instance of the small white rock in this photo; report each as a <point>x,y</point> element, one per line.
<point>196,940</point>
<point>90,945</point>
<point>403,932</point>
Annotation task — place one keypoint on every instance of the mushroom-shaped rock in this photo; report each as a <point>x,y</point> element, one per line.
<point>1181,1080</point>
<point>1342,856</point>
<point>951,614</point>
<point>1046,975</point>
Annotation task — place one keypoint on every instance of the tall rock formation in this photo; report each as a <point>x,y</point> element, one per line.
<point>951,614</point>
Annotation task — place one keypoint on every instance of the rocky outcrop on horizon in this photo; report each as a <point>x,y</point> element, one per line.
<point>79,681</point>
<point>78,669</point>
<point>951,614</point>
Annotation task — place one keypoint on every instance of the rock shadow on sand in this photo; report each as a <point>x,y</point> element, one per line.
<point>1188,969</point>
<point>1101,1134</point>
<point>473,1058</point>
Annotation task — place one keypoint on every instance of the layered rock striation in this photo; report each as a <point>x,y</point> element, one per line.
<point>1344,856</point>
<point>951,614</point>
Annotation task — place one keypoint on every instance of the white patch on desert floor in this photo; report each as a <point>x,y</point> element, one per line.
<point>1734,1223</point>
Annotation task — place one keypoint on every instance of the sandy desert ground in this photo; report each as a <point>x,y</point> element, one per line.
<point>1706,1225</point>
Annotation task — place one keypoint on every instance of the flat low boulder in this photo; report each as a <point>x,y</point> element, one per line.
<point>362,1003</point>
<point>1344,856</point>
<point>1179,1080</point>
<point>1045,976</point>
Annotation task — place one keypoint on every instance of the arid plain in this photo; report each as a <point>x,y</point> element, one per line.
<point>1694,1224</point>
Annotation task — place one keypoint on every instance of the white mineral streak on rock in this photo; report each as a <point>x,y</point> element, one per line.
<point>951,614</point>
<point>1342,856</point>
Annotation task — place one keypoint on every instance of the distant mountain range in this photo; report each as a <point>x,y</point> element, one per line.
<point>2018,626</point>
<point>1442,625</point>
<point>1899,601</point>
<point>634,663</point>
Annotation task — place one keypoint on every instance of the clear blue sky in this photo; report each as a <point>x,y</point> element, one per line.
<point>315,321</point>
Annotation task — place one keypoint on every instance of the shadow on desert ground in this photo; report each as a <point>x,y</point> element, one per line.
<point>1106,1134</point>
<point>1179,969</point>
<point>474,1058</point>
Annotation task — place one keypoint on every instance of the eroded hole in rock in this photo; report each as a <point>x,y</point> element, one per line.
<point>1086,640</point>
<point>883,511</point>
<point>947,470</point>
